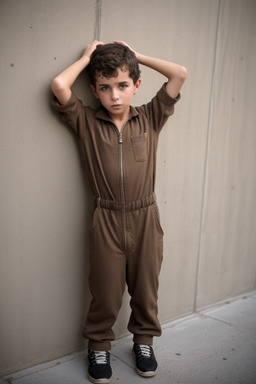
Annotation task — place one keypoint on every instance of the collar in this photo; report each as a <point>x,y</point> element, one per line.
<point>102,113</point>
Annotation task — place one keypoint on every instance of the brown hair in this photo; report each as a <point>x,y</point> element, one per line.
<point>108,57</point>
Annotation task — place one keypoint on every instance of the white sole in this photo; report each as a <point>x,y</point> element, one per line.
<point>146,374</point>
<point>99,381</point>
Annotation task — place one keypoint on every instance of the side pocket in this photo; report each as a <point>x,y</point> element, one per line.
<point>157,218</point>
<point>139,145</point>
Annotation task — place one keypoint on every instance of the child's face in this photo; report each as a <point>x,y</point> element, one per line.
<point>116,93</point>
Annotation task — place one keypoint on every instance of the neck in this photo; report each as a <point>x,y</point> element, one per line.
<point>120,120</point>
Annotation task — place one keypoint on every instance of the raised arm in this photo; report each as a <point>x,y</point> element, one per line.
<point>62,83</point>
<point>175,73</point>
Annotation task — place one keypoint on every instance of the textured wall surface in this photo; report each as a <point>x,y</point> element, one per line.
<point>206,171</point>
<point>227,256</point>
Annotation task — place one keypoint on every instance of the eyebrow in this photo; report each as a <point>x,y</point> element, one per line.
<point>107,85</point>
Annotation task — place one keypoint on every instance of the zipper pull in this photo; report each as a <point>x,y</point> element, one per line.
<point>120,140</point>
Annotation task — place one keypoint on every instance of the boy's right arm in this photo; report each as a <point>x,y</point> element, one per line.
<point>62,83</point>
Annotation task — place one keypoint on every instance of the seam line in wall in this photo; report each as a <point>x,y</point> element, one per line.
<point>206,161</point>
<point>97,25</point>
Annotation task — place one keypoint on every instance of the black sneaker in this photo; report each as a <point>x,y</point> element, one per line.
<point>99,370</point>
<point>146,364</point>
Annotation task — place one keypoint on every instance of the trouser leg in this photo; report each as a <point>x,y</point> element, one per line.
<point>106,280</point>
<point>143,268</point>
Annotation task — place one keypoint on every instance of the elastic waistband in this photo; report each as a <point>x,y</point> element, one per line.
<point>126,205</point>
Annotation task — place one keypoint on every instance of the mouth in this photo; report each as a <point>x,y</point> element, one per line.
<point>116,106</point>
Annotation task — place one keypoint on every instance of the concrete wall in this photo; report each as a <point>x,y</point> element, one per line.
<point>206,182</point>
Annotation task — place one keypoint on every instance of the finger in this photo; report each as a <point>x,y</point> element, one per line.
<point>120,42</point>
<point>98,42</point>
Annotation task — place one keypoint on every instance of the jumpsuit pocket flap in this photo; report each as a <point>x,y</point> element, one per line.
<point>139,145</point>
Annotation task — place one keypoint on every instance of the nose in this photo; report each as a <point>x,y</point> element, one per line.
<point>115,95</point>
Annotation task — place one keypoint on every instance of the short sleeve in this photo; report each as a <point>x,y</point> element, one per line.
<point>72,113</point>
<point>159,108</point>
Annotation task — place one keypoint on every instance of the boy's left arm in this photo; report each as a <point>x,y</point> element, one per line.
<point>175,73</point>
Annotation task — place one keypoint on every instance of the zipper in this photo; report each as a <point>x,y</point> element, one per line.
<point>120,141</point>
<point>123,216</point>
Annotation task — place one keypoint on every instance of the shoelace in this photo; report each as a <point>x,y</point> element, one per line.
<point>100,357</point>
<point>144,351</point>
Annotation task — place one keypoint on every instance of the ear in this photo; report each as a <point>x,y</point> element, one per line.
<point>94,91</point>
<point>136,86</point>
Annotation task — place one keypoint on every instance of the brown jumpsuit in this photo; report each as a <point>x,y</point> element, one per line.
<point>126,238</point>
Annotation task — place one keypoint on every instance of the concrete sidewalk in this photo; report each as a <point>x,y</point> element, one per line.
<point>217,345</point>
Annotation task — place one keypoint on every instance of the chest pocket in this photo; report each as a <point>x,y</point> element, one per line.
<point>139,146</point>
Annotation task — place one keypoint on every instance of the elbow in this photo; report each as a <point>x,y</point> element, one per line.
<point>183,73</point>
<point>57,85</point>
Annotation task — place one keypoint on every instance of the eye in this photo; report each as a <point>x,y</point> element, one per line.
<point>123,86</point>
<point>104,89</point>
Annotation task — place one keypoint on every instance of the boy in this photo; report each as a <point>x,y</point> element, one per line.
<point>118,145</point>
